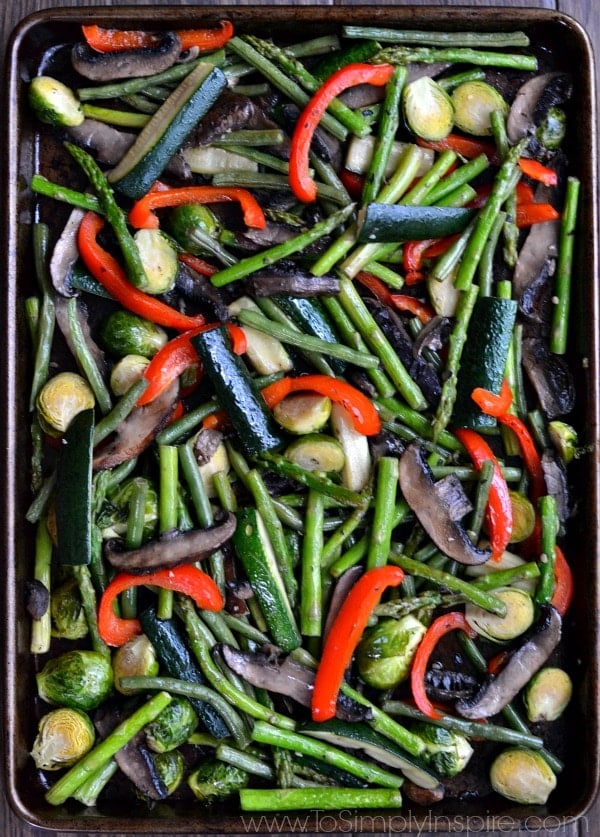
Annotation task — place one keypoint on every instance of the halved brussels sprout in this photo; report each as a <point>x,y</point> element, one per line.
<point>213,780</point>
<point>78,679</point>
<point>126,372</point>
<point>474,102</point>
<point>60,399</point>
<point>64,736</point>
<point>385,653</point>
<point>159,259</point>
<point>170,768</point>
<point>522,776</point>
<point>316,452</point>
<point>564,438</point>
<point>520,614</point>
<point>136,657</point>
<point>55,103</point>
<point>112,520</point>
<point>547,694</point>
<point>428,109</point>
<point>523,516</point>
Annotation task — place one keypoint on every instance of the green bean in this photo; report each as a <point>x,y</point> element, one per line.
<point>457,341</point>
<point>419,423</point>
<point>502,578</point>
<point>383,516</point>
<point>358,550</point>
<point>349,118</point>
<point>247,51</point>
<point>173,686</point>
<point>85,358</point>
<point>448,83</point>
<point>202,507</point>
<point>260,157</point>
<point>388,127</point>
<point>477,596</point>
<point>461,55</point>
<point>200,643</point>
<point>46,321</point>
<point>121,118</point>
<point>312,479</point>
<point>109,423</point>
<point>459,177</point>
<point>280,251</point>
<point>311,585</point>
<point>486,264</point>
<point>274,312</point>
<point>374,337</point>
<point>167,513</point>
<point>265,733</point>
<point>472,729</point>
<point>245,761</point>
<point>549,526</point>
<point>42,186</point>
<point>115,90</point>
<point>564,268</point>
<point>319,799</point>
<point>438,38</point>
<point>41,635</point>
<point>484,482</point>
<point>306,341</point>
<point>97,758</point>
<point>341,534</point>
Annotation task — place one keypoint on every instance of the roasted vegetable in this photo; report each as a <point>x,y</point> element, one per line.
<point>77,679</point>
<point>61,399</point>
<point>547,694</point>
<point>213,780</point>
<point>64,736</point>
<point>55,103</point>
<point>446,751</point>
<point>522,776</point>
<point>124,333</point>
<point>136,657</point>
<point>172,727</point>
<point>385,652</point>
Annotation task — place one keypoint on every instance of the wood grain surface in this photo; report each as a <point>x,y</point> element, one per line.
<point>586,13</point>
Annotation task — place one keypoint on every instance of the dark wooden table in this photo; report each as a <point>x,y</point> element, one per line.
<point>586,13</point>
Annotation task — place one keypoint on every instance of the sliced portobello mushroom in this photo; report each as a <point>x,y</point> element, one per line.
<point>550,376</point>
<point>107,66</point>
<point>284,676</point>
<point>137,431</point>
<point>533,100</point>
<point>496,692</point>
<point>435,512</point>
<point>65,254</point>
<point>292,282</point>
<point>172,548</point>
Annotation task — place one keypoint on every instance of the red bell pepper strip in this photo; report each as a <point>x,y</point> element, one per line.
<point>185,578</point>
<point>463,146</point>
<point>141,215</point>
<point>404,302</point>
<point>524,192</point>
<point>499,514</point>
<point>492,404</point>
<point>535,213</point>
<point>563,582</point>
<point>197,264</point>
<point>455,620</point>
<point>354,183</point>
<point>179,354</point>
<point>365,417</point>
<point>303,186</point>
<point>118,40</point>
<point>111,276</point>
<point>344,635</point>
<point>536,171</point>
<point>378,288</point>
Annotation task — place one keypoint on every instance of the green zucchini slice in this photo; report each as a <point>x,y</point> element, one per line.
<point>386,222</point>
<point>74,500</point>
<point>165,132</point>
<point>256,554</point>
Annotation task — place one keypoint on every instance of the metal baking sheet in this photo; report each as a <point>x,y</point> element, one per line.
<point>568,48</point>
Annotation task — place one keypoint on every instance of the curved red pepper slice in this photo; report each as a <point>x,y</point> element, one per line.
<point>111,276</point>
<point>365,417</point>
<point>564,586</point>
<point>303,186</point>
<point>453,621</point>
<point>141,215</point>
<point>179,354</point>
<point>492,404</point>
<point>187,579</point>
<point>345,632</point>
<point>499,514</point>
